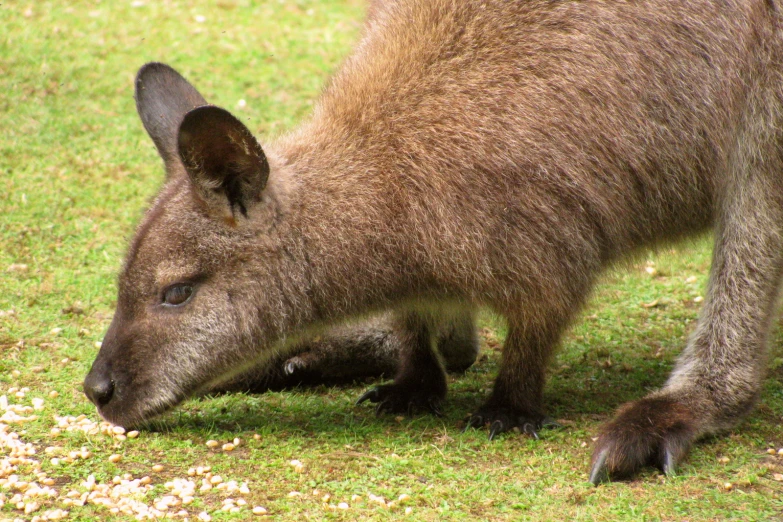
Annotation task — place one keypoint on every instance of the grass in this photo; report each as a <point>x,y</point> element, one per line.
<point>76,172</point>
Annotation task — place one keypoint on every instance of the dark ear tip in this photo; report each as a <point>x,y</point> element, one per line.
<point>152,70</point>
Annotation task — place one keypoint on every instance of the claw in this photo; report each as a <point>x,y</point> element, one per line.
<point>371,395</point>
<point>550,423</point>
<point>599,472</point>
<point>495,428</point>
<point>530,429</point>
<point>289,368</point>
<point>669,464</point>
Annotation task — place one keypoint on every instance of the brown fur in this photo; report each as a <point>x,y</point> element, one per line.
<point>475,153</point>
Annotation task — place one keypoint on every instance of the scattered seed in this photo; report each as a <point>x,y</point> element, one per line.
<point>771,451</point>
<point>377,499</point>
<point>256,436</point>
<point>778,477</point>
<point>728,486</point>
<point>53,394</point>
<point>115,458</point>
<point>133,434</point>
<point>228,446</point>
<point>297,465</point>
<point>212,443</point>
<point>157,468</point>
<point>258,510</point>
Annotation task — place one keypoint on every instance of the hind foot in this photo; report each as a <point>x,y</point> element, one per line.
<point>654,431</point>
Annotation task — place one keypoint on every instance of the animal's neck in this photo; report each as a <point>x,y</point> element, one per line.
<point>350,217</point>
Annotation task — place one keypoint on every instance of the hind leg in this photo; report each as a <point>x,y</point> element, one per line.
<point>717,379</point>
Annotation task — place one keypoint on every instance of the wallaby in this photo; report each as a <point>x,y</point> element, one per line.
<point>358,350</point>
<point>476,153</point>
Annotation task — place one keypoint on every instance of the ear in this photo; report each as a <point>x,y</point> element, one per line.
<point>225,163</point>
<point>163,97</point>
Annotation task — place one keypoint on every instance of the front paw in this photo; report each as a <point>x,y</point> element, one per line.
<point>401,398</point>
<point>653,431</point>
<point>501,419</point>
<point>296,365</point>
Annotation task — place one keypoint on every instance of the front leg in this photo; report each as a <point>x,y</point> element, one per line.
<point>516,400</point>
<point>420,383</point>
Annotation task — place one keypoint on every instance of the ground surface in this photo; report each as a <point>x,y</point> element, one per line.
<point>76,170</point>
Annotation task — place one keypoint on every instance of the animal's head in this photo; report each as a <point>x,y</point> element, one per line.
<point>199,286</point>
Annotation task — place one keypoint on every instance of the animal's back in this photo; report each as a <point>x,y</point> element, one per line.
<point>616,119</point>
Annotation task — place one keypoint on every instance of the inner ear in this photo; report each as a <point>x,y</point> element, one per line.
<point>227,166</point>
<point>163,97</point>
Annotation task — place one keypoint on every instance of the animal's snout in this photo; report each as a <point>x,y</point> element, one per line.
<point>99,387</point>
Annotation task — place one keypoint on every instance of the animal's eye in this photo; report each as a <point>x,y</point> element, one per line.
<point>178,294</point>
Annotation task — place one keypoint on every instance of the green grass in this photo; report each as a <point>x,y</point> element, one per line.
<point>76,172</point>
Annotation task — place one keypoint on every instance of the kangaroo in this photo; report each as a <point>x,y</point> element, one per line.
<point>481,153</point>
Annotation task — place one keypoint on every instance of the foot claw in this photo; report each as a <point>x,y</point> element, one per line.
<point>505,419</point>
<point>530,429</point>
<point>598,473</point>
<point>669,464</point>
<point>495,428</point>
<point>371,395</point>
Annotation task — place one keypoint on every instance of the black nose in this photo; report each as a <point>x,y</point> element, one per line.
<point>98,388</point>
